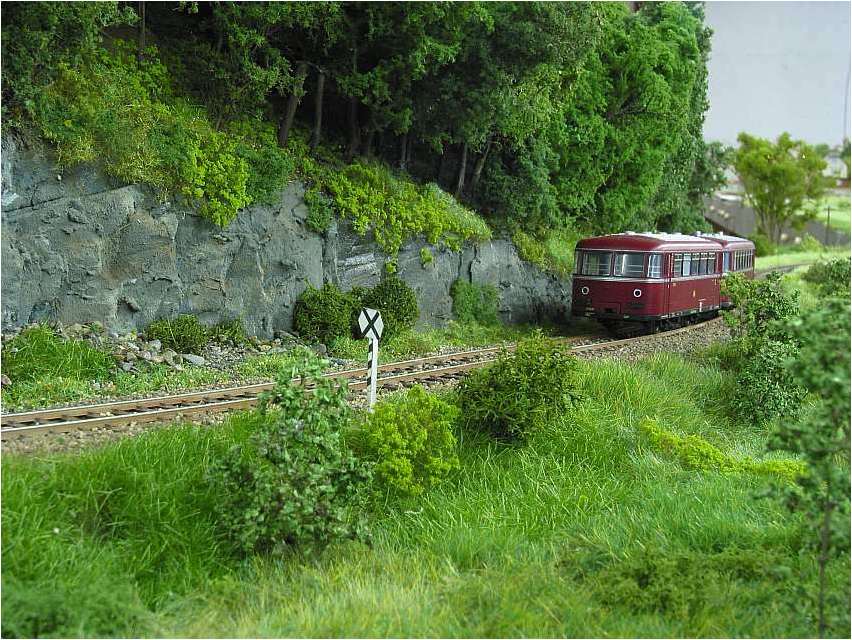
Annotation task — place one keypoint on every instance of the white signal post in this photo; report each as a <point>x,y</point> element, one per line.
<point>371,325</point>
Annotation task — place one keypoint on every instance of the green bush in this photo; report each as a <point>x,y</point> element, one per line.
<point>323,314</point>
<point>474,302</point>
<point>832,277</point>
<point>694,452</point>
<point>409,441</point>
<point>394,208</point>
<point>184,334</point>
<point>811,244</point>
<point>520,392</point>
<point>397,303</point>
<point>295,483</point>
<point>765,388</point>
<point>231,332</point>
<point>763,246</point>
<point>320,210</point>
<point>761,306</point>
<point>38,351</point>
<point>553,251</point>
<point>426,257</point>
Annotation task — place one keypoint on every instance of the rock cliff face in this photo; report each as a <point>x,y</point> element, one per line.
<point>77,247</point>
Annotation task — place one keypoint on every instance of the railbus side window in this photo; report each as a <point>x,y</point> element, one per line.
<point>695,265</point>
<point>686,259</point>
<point>726,262</point>
<point>711,263</point>
<point>677,265</point>
<point>655,265</point>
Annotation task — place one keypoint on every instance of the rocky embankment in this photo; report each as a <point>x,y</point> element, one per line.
<point>78,248</point>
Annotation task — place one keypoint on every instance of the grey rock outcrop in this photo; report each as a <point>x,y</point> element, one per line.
<point>83,249</point>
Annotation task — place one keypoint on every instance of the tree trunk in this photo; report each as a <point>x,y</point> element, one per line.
<point>367,148</point>
<point>477,169</point>
<point>825,543</point>
<point>140,54</point>
<point>409,151</point>
<point>462,169</point>
<point>354,128</point>
<point>315,137</point>
<point>286,123</point>
<point>403,151</point>
<point>441,162</point>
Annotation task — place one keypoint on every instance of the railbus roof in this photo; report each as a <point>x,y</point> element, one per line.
<point>632,241</point>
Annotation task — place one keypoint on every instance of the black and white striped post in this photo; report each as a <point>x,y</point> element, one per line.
<point>371,325</point>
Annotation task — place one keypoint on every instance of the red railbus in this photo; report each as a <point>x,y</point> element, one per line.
<point>655,280</point>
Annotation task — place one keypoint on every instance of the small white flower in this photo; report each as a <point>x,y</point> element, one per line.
<point>56,530</point>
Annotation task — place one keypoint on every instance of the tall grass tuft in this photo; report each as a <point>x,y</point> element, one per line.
<point>39,352</point>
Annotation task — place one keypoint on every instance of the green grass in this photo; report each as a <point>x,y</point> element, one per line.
<point>798,257</point>
<point>586,531</point>
<point>840,215</point>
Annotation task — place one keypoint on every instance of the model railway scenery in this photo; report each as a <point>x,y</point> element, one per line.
<point>425,319</point>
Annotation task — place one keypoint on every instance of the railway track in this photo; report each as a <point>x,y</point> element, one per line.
<point>162,408</point>
<point>158,409</point>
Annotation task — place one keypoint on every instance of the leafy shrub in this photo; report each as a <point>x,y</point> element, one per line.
<point>761,306</point>
<point>395,209</point>
<point>811,244</point>
<point>38,351</point>
<point>320,209</point>
<point>694,452</point>
<point>231,332</point>
<point>765,387</point>
<point>474,302</point>
<point>184,334</point>
<point>426,256</point>
<point>553,252</point>
<point>295,482</point>
<point>763,245</point>
<point>323,314</point>
<point>397,303</point>
<point>520,392</point>
<point>832,277</point>
<point>409,441</point>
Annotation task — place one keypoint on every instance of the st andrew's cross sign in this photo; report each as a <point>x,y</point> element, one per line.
<point>370,324</point>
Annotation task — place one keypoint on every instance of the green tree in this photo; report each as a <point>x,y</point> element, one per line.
<point>39,37</point>
<point>631,117</point>
<point>779,180</point>
<point>821,437</point>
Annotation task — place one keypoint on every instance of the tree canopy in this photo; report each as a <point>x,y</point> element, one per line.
<point>542,115</point>
<point>779,178</point>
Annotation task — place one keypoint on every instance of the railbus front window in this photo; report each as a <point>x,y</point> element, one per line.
<point>595,263</point>
<point>629,265</point>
